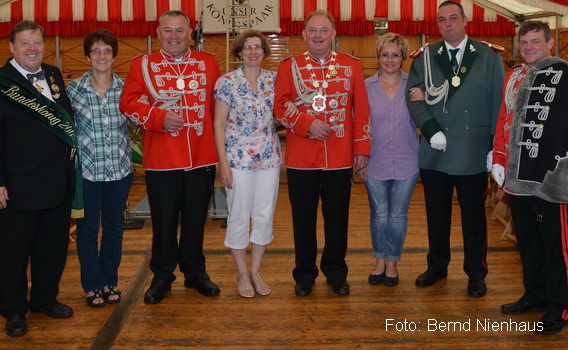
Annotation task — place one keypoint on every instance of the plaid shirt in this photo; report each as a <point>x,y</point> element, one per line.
<point>102,131</point>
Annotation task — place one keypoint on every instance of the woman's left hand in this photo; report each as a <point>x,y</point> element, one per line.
<point>291,109</point>
<point>416,94</point>
<point>144,99</point>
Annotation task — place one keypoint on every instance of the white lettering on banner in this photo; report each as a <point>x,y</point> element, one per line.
<point>263,15</point>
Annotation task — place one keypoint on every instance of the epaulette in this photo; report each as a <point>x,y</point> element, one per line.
<point>139,57</point>
<point>520,65</point>
<point>495,47</point>
<point>419,51</point>
<point>287,58</point>
<point>209,53</point>
<point>353,57</point>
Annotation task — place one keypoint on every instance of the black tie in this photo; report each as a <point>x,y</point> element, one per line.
<point>39,76</point>
<point>454,61</point>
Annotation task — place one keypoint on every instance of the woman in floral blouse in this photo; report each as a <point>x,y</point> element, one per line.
<point>249,156</point>
<point>104,150</point>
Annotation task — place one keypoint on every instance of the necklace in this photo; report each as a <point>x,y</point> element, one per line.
<point>390,87</point>
<point>319,100</point>
<point>180,82</point>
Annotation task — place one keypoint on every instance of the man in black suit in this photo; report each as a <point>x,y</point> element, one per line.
<point>37,179</point>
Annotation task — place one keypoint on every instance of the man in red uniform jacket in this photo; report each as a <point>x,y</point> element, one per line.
<point>530,162</point>
<point>328,137</point>
<point>179,151</point>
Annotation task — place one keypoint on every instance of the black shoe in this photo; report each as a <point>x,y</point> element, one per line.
<point>203,285</point>
<point>156,292</point>
<point>54,309</point>
<point>390,281</point>
<point>376,279</point>
<point>521,306</point>
<point>340,287</point>
<point>429,278</point>
<point>551,325</point>
<point>476,287</point>
<point>303,289</point>
<point>16,325</point>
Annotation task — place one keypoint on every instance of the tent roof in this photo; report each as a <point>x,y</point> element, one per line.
<point>520,10</point>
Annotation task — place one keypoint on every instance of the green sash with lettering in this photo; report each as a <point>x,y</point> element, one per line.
<point>52,116</point>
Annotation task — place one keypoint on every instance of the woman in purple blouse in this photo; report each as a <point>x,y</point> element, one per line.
<point>393,167</point>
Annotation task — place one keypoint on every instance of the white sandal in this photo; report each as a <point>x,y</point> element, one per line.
<point>244,286</point>
<point>260,287</point>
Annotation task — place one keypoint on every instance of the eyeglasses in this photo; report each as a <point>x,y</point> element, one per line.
<point>99,51</point>
<point>252,47</point>
<point>392,55</point>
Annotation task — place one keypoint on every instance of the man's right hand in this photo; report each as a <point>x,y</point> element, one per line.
<point>438,141</point>
<point>3,197</point>
<point>172,122</point>
<point>498,173</point>
<point>319,130</point>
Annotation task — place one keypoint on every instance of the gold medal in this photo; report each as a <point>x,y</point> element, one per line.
<point>180,84</point>
<point>456,81</point>
<point>333,104</point>
<point>54,87</point>
<point>193,84</point>
<point>333,73</point>
<point>463,70</point>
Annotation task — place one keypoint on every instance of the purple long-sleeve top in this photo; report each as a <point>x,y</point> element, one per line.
<point>394,140</point>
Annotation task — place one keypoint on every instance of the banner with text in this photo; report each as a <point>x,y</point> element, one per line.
<point>263,15</point>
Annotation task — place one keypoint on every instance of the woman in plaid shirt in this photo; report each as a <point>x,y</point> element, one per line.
<point>104,150</point>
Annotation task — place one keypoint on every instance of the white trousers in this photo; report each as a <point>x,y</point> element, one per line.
<point>253,195</point>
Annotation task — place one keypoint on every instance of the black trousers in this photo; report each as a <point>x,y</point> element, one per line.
<point>305,187</point>
<point>541,228</point>
<point>42,238</point>
<point>169,193</point>
<point>471,192</point>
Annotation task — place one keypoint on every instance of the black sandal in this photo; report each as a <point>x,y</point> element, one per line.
<point>111,291</point>
<point>97,295</point>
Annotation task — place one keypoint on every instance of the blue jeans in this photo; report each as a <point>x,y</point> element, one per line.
<point>389,201</point>
<point>106,200</point>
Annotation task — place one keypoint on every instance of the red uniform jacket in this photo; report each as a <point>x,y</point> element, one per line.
<point>184,87</point>
<point>346,111</point>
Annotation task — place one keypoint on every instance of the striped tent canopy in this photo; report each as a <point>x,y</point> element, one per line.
<point>138,17</point>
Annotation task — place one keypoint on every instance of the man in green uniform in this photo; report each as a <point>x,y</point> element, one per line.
<point>462,80</point>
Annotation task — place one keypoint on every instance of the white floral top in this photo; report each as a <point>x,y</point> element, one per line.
<point>251,142</point>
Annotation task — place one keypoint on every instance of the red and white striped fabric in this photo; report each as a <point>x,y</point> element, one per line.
<point>138,17</point>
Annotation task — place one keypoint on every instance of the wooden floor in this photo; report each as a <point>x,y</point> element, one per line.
<point>366,319</point>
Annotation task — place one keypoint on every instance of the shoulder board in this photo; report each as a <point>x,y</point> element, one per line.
<point>520,65</point>
<point>495,47</point>
<point>287,58</point>
<point>209,53</point>
<point>353,57</point>
<point>419,51</point>
<point>139,57</point>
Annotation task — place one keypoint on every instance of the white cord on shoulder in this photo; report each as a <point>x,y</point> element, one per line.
<point>304,93</point>
<point>438,93</point>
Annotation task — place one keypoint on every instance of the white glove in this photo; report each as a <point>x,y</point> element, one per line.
<point>438,141</point>
<point>489,161</point>
<point>498,173</point>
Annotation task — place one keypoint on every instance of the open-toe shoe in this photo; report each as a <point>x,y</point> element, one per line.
<point>97,295</point>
